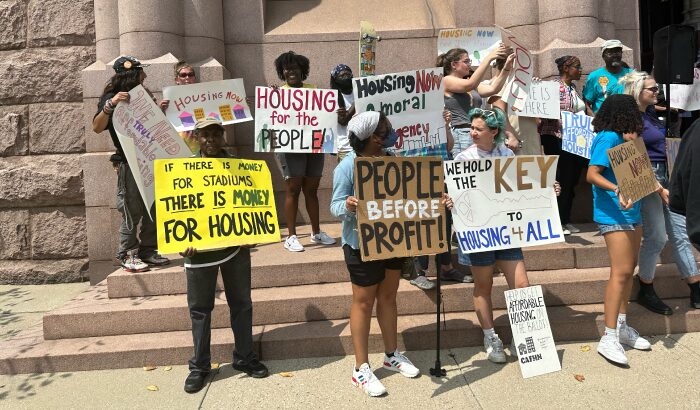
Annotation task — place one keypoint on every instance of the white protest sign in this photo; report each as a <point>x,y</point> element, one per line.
<point>517,87</point>
<point>295,120</point>
<point>532,333</point>
<point>577,133</point>
<point>686,97</point>
<point>504,202</point>
<point>189,103</point>
<point>477,41</point>
<point>145,135</point>
<point>542,102</point>
<point>413,101</point>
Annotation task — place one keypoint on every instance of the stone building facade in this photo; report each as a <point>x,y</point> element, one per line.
<point>57,191</point>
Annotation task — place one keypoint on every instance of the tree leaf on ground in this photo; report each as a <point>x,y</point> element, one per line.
<point>152,388</point>
<point>168,368</point>
<point>149,368</point>
<point>214,366</point>
<point>585,348</point>
<point>286,374</point>
<point>579,377</point>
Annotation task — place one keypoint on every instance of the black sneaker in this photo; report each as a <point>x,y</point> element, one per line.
<point>252,368</point>
<point>155,259</point>
<point>651,301</point>
<point>195,381</point>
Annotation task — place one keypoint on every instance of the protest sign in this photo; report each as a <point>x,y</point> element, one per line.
<point>686,97</point>
<point>632,168</point>
<point>295,120</point>
<point>209,203</point>
<point>413,101</point>
<point>504,202</point>
<point>532,333</point>
<point>189,103</point>
<point>672,145</point>
<point>517,87</point>
<point>145,135</point>
<point>542,102</point>
<point>577,133</point>
<point>477,41</point>
<point>399,211</point>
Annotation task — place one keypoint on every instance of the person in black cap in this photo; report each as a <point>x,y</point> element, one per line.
<point>133,255</point>
<point>202,269</point>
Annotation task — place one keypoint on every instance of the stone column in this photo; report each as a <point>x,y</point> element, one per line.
<point>521,19</point>
<point>106,29</point>
<point>151,28</point>
<point>204,30</point>
<point>575,22</point>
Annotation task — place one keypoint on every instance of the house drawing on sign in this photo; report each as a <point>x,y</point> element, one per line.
<point>239,111</point>
<point>530,345</point>
<point>186,119</point>
<point>522,349</point>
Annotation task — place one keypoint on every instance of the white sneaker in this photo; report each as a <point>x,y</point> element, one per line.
<point>400,363</point>
<point>565,231</point>
<point>610,348</point>
<point>367,381</point>
<point>322,238</point>
<point>494,349</point>
<point>421,282</point>
<point>292,244</point>
<point>131,263</point>
<point>571,228</point>
<point>630,337</point>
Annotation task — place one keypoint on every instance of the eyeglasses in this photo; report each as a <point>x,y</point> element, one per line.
<point>466,61</point>
<point>654,89</point>
<point>186,75</point>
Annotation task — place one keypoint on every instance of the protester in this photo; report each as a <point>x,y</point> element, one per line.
<point>184,74</point>
<point>570,165</point>
<point>202,269</point>
<point>601,81</point>
<point>341,80</point>
<point>302,172</point>
<point>685,196</point>
<point>658,222</point>
<point>619,221</point>
<point>370,134</point>
<point>459,82</point>
<point>135,252</point>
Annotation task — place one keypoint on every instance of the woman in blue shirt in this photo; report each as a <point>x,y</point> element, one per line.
<point>619,220</point>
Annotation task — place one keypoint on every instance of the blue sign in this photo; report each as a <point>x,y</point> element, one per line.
<point>577,133</point>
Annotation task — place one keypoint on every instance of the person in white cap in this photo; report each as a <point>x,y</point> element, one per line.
<point>370,134</point>
<point>601,82</point>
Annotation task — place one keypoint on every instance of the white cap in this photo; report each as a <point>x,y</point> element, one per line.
<point>611,44</point>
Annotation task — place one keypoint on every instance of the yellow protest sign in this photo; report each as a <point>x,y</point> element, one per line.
<point>210,203</point>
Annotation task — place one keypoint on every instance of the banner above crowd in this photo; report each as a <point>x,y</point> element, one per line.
<point>477,41</point>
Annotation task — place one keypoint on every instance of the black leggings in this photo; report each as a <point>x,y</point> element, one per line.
<point>569,170</point>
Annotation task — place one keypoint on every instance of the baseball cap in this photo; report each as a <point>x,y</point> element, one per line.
<point>205,122</point>
<point>611,44</point>
<point>125,63</point>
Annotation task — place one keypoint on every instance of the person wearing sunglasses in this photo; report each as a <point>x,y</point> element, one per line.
<point>659,224</point>
<point>601,81</point>
<point>184,75</point>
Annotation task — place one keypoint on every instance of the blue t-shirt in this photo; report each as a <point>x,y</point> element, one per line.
<point>606,207</point>
<point>601,84</point>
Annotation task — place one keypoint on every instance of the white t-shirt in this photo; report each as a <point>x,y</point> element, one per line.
<point>342,130</point>
<point>474,152</point>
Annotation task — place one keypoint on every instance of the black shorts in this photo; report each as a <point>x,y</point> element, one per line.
<point>367,273</point>
<point>296,164</point>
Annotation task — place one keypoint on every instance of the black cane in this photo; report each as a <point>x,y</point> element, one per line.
<point>438,371</point>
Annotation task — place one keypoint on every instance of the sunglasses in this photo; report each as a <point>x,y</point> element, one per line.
<point>654,89</point>
<point>186,75</point>
<point>484,113</point>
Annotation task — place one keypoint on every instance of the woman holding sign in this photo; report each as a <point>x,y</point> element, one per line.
<point>659,223</point>
<point>618,120</point>
<point>370,134</point>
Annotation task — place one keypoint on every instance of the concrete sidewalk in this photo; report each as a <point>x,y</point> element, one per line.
<point>662,378</point>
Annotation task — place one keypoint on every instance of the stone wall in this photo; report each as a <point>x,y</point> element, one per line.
<point>43,47</point>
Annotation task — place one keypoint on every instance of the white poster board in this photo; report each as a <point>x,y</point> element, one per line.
<point>577,133</point>
<point>686,97</point>
<point>413,101</point>
<point>477,41</point>
<point>504,202</point>
<point>517,87</point>
<point>145,135</point>
<point>300,120</point>
<point>532,332</point>
<point>189,103</point>
<point>542,101</point>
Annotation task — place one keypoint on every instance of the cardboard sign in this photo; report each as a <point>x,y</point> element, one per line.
<point>542,102</point>
<point>532,333</point>
<point>504,202</point>
<point>477,41</point>
<point>210,203</point>
<point>399,211</point>
<point>632,168</point>
<point>145,135</point>
<point>686,97</point>
<point>672,145</point>
<point>577,133</point>
<point>189,103</point>
<point>413,101</point>
<point>295,120</point>
<point>517,87</point>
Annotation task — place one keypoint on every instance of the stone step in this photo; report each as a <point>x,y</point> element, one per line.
<point>28,352</point>
<point>94,314</point>
<point>273,266</point>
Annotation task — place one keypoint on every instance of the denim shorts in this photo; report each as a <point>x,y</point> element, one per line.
<point>489,258</point>
<point>605,228</point>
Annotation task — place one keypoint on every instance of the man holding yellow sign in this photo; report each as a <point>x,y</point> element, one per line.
<point>213,209</point>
